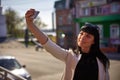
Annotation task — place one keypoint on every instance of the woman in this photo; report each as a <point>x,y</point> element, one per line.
<point>87,62</point>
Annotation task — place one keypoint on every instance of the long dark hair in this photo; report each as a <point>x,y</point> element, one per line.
<point>95,48</point>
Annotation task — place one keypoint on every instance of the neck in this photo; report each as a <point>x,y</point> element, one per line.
<point>85,50</point>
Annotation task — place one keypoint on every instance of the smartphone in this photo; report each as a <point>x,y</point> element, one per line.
<point>35,14</point>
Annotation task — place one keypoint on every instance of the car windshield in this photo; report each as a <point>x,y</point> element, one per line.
<point>10,64</point>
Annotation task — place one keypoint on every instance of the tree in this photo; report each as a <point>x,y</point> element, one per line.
<point>12,20</point>
<point>39,23</point>
<point>15,23</point>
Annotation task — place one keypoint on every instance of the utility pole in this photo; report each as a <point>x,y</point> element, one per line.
<point>52,21</point>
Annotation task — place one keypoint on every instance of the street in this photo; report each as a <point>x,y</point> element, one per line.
<point>43,66</point>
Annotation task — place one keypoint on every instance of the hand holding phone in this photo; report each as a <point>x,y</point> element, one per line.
<point>35,14</point>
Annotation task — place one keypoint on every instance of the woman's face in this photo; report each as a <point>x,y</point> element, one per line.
<point>85,40</point>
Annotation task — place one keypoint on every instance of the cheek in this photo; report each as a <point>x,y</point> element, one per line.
<point>91,42</point>
<point>78,41</point>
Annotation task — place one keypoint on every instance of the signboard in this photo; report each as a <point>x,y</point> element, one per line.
<point>115,41</point>
<point>91,3</point>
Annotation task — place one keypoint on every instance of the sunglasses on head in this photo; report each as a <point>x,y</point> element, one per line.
<point>91,25</point>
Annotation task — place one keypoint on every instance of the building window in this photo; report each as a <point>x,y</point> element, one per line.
<point>106,9</point>
<point>60,6</point>
<point>98,10</point>
<point>92,11</point>
<point>60,20</point>
<point>114,31</point>
<point>115,7</point>
<point>69,19</point>
<point>95,10</point>
<point>85,11</point>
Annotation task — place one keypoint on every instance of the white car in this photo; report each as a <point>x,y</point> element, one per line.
<point>10,63</point>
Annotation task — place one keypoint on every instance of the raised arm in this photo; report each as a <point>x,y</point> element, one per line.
<point>42,38</point>
<point>49,45</point>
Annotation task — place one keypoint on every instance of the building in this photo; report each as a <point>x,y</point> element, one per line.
<point>105,14</point>
<point>65,31</point>
<point>3,29</point>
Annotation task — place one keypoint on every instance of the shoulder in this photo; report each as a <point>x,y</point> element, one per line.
<point>72,58</point>
<point>72,54</point>
<point>102,73</point>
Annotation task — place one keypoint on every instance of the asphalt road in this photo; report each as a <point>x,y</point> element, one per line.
<point>43,66</point>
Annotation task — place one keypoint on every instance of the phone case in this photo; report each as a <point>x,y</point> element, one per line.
<point>35,14</point>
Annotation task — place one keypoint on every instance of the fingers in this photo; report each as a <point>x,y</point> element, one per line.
<point>29,13</point>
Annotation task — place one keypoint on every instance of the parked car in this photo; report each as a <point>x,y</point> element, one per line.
<point>12,64</point>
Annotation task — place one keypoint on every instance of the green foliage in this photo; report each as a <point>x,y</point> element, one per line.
<point>39,23</point>
<point>12,20</point>
<point>15,23</point>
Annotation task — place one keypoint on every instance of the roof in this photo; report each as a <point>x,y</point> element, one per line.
<point>99,18</point>
<point>59,2</point>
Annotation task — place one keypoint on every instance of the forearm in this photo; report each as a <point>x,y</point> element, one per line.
<point>42,38</point>
<point>55,50</point>
<point>50,46</point>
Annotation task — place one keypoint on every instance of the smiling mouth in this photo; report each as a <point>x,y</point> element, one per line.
<point>81,41</point>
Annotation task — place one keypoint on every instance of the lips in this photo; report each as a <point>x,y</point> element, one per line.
<point>81,41</point>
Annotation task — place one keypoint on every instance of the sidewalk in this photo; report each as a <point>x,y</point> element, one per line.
<point>43,66</point>
<point>13,43</point>
<point>113,56</point>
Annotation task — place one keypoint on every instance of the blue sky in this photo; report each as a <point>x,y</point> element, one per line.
<point>46,7</point>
